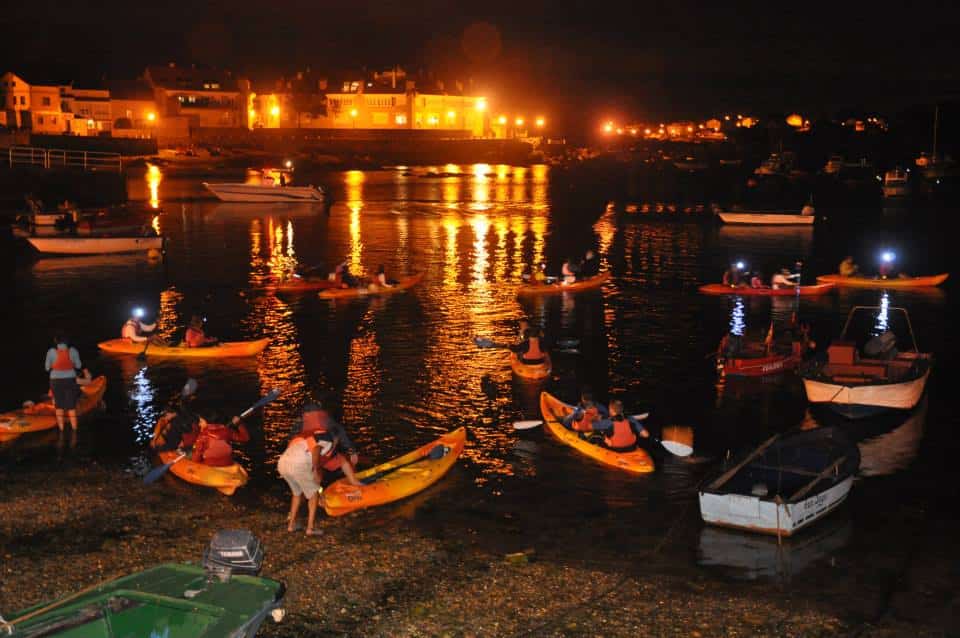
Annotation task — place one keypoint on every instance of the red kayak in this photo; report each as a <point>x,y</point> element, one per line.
<point>721,289</point>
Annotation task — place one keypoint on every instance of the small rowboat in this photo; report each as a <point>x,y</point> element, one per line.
<point>396,479</point>
<point>532,372</point>
<point>226,479</point>
<point>224,350</point>
<point>370,289</point>
<point>577,286</point>
<point>721,289</point>
<point>876,282</point>
<point>553,409</point>
<point>94,245</point>
<point>41,416</point>
<point>786,484</point>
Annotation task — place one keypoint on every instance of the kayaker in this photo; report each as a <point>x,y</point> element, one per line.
<point>522,326</point>
<point>342,276</point>
<point>196,337</point>
<point>731,276</point>
<point>756,280</point>
<point>848,268</point>
<point>134,330</point>
<point>534,274</point>
<point>182,425</point>
<point>62,363</point>
<point>530,350</point>
<point>590,267</point>
<point>782,280</point>
<point>316,420</point>
<point>382,280</point>
<point>213,445</point>
<point>620,432</point>
<point>586,413</point>
<point>301,466</point>
<point>569,272</point>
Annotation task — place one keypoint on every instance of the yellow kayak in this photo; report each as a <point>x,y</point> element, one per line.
<point>417,471</point>
<point>42,415</point>
<point>226,478</point>
<point>553,409</point>
<point>223,350</point>
<point>370,289</point>
<point>533,372</point>
<point>577,286</point>
<point>892,282</point>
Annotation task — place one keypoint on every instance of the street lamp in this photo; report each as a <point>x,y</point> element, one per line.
<point>502,120</point>
<point>353,116</point>
<point>519,121</point>
<point>481,104</point>
<point>540,122</point>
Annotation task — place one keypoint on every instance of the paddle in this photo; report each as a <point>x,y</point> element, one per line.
<point>673,447</point>
<point>436,453</point>
<point>527,425</point>
<point>154,475</point>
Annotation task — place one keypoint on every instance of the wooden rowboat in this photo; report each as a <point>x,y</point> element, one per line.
<point>94,245</point>
<point>892,282</point>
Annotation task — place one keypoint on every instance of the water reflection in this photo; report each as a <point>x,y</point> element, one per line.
<point>154,177</point>
<point>895,450</point>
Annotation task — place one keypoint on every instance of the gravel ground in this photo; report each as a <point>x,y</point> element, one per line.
<point>375,576</point>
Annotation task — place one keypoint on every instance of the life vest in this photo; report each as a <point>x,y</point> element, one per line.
<point>533,353</point>
<point>130,330</point>
<point>585,423</point>
<point>195,338</point>
<point>623,435</point>
<point>315,421</point>
<point>215,442</point>
<point>63,361</point>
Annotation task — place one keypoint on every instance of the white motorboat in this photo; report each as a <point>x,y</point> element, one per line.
<point>265,191</point>
<point>858,382</point>
<point>786,484</point>
<point>95,245</point>
<point>769,218</point>
<point>896,183</point>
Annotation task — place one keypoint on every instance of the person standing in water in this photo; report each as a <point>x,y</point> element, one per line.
<point>62,363</point>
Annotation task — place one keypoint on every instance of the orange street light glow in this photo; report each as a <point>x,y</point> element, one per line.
<point>481,104</point>
<point>353,112</point>
<point>608,127</point>
<point>519,121</point>
<point>502,119</point>
<point>274,111</point>
<point>151,116</point>
<point>451,114</point>
<point>540,122</point>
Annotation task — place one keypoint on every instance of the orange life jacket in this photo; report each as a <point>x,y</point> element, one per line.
<point>585,423</point>
<point>195,338</point>
<point>311,442</point>
<point>533,353</point>
<point>315,421</point>
<point>214,444</point>
<point>63,361</point>
<point>623,435</point>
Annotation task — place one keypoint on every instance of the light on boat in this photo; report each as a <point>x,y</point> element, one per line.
<point>888,256</point>
<point>138,313</point>
<point>740,265</point>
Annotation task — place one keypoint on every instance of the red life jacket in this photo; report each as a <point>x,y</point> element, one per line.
<point>623,435</point>
<point>311,442</point>
<point>315,421</point>
<point>195,338</point>
<point>214,445</point>
<point>585,423</point>
<point>533,353</point>
<point>63,361</point>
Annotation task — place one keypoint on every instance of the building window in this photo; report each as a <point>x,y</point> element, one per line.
<point>46,101</point>
<point>40,119</point>
<point>54,121</point>
<point>23,100</point>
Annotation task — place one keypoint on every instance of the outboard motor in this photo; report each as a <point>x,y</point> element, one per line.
<point>233,551</point>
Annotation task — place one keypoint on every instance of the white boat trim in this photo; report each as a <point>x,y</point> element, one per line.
<point>766,219</point>
<point>894,396</point>
<point>94,245</point>
<point>237,192</point>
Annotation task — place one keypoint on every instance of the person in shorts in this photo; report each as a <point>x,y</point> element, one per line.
<point>62,363</point>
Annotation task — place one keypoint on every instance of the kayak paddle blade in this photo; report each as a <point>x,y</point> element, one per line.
<point>273,394</point>
<point>641,417</point>
<point>677,449</point>
<point>526,425</point>
<point>154,475</point>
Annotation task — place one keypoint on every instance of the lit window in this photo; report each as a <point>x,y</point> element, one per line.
<point>401,119</point>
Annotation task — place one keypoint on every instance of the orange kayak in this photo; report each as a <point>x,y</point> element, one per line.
<point>419,471</point>
<point>370,289</point>
<point>577,286</point>
<point>223,350</point>
<point>533,372</point>
<point>804,291</point>
<point>299,284</point>
<point>553,410</point>
<point>42,415</point>
<point>226,478</point>
<point>893,282</point>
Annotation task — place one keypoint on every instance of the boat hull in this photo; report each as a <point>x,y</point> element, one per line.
<point>856,401</point>
<point>370,289</point>
<point>896,282</point>
<point>530,372</point>
<point>94,245</point>
<point>225,479</point>
<point>256,193</point>
<point>759,366</point>
<point>765,219</point>
<point>546,289</point>
<point>803,291</point>
<point>227,349</point>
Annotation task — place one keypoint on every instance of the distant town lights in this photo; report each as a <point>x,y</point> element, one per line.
<point>502,120</point>
<point>481,104</point>
<point>519,121</point>
<point>540,122</point>
<point>151,116</point>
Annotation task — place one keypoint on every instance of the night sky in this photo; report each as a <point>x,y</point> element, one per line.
<point>651,59</point>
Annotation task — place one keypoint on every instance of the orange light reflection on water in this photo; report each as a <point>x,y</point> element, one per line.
<point>154,176</point>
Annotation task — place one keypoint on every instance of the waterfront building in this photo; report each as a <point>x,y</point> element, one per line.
<point>134,111</point>
<point>36,107</point>
<point>90,109</point>
<point>207,98</point>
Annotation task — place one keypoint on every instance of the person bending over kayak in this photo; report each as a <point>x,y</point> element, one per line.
<point>316,420</point>
<point>62,363</point>
<point>590,266</point>
<point>530,350</point>
<point>782,280</point>
<point>213,444</point>
<point>196,337</point>
<point>620,432</point>
<point>586,413</point>
<point>301,466</point>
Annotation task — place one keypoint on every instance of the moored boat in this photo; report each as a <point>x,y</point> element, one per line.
<point>896,183</point>
<point>784,485</point>
<point>553,410</point>
<point>856,281</point>
<point>371,289</point>
<point>396,479</point>
<point>722,289</point>
<point>553,288</point>
<point>858,382</point>
<point>42,415</point>
<point>762,218</point>
<point>531,371</point>
<point>264,192</point>
<point>95,245</point>
<point>223,350</point>
<point>756,361</point>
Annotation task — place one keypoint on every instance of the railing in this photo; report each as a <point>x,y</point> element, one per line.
<point>50,158</point>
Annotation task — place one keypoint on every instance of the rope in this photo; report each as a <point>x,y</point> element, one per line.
<point>593,600</point>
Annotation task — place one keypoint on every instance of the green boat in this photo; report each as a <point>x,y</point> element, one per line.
<point>174,600</point>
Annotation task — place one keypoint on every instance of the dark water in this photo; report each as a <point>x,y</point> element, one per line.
<point>401,369</point>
